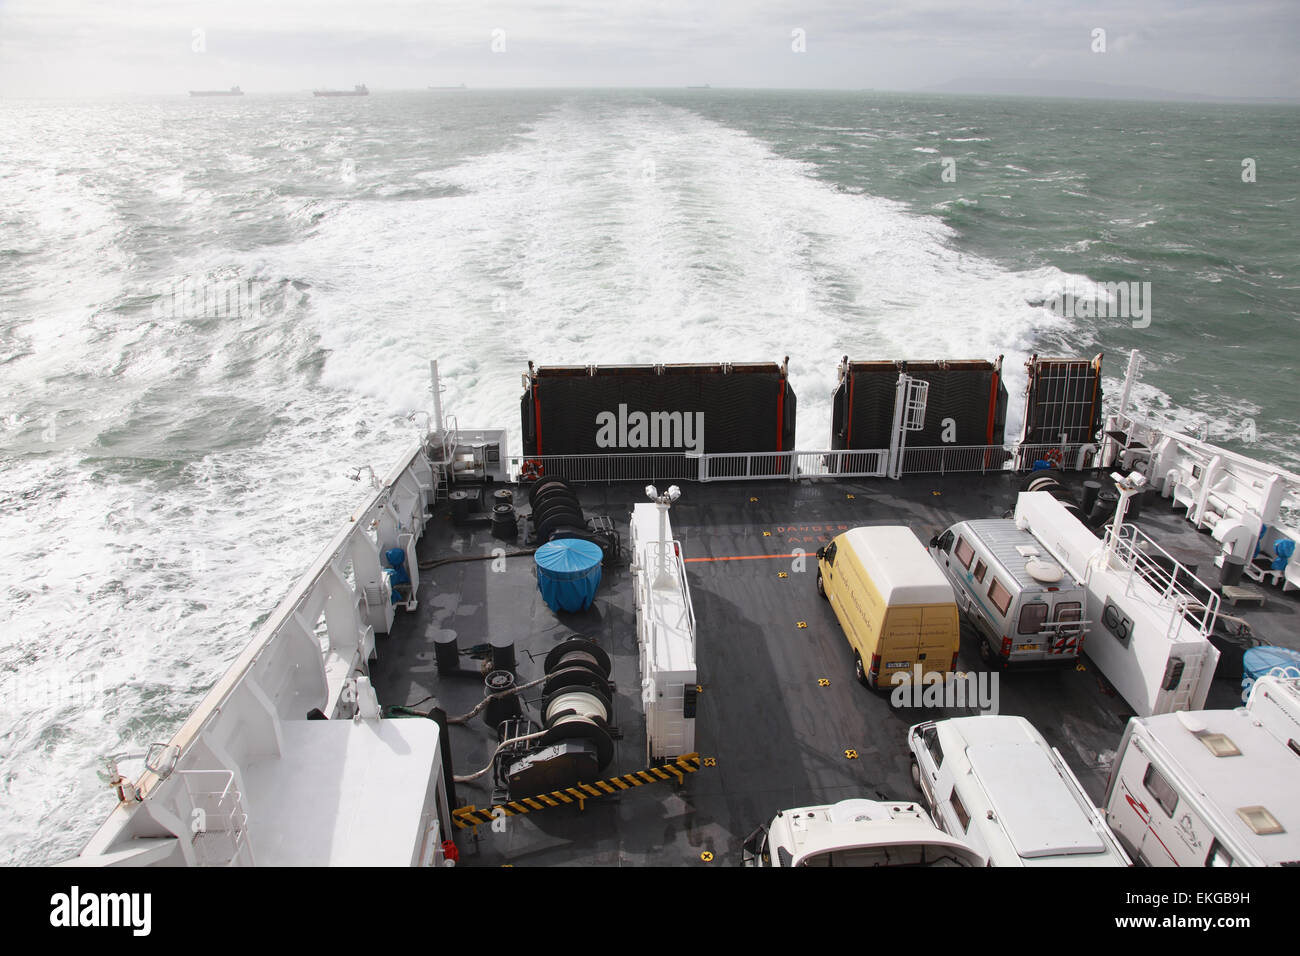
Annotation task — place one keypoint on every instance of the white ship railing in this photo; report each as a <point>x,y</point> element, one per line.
<point>654,599</point>
<point>1174,585</point>
<point>953,459</point>
<point>217,818</point>
<point>800,464</point>
<point>639,466</point>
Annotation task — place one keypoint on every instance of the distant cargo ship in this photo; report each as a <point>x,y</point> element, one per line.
<point>358,90</point>
<point>233,91</point>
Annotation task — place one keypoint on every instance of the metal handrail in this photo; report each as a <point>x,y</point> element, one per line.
<point>1133,547</point>
<point>796,464</point>
<point>654,549</point>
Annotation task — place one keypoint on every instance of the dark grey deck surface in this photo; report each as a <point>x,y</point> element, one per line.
<point>778,737</point>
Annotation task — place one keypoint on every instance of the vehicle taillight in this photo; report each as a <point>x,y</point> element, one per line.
<point>1006,647</point>
<point>875,664</point>
<point>953,668</point>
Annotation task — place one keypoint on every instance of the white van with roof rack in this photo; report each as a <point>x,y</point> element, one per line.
<point>1025,607</point>
<point>1211,787</point>
<point>996,783</point>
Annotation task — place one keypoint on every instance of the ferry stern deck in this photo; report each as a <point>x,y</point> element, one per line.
<point>781,720</point>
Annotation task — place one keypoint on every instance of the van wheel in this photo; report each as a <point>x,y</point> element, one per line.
<point>986,652</point>
<point>860,671</point>
<point>916,775</point>
<point>821,585</point>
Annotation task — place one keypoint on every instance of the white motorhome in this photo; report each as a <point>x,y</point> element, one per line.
<point>1275,703</point>
<point>1151,617</point>
<point>1207,788</point>
<point>857,833</point>
<point>1026,608</point>
<point>995,782</point>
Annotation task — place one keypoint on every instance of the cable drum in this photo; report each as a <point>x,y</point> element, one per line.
<point>556,502</point>
<point>582,713</point>
<point>570,704</point>
<point>579,695</point>
<point>578,662</point>
<point>551,496</point>
<point>1042,480</point>
<point>556,512</point>
<point>546,486</point>
<point>1049,482</point>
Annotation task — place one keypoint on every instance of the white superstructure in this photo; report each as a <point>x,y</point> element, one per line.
<point>251,778</point>
<point>665,628</point>
<point>1249,506</point>
<point>1150,629</point>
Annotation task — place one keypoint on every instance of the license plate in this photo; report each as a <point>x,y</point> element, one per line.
<point>1026,647</point>
<point>896,664</point>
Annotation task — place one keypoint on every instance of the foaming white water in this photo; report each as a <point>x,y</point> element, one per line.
<point>649,234</point>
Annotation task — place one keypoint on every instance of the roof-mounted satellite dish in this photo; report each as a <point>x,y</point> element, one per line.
<point>1044,571</point>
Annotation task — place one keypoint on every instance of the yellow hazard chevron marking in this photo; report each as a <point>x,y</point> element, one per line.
<point>699,688</point>
<point>752,500</point>
<point>706,856</point>
<point>782,574</point>
<point>767,534</point>
<point>580,793</point>
<point>850,497</point>
<point>823,682</point>
<point>800,623</point>
<point>710,761</point>
<point>851,754</point>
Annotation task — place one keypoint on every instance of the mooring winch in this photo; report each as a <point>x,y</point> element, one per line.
<point>576,738</point>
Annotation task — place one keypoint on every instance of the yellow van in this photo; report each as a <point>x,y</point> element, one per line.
<point>895,605</point>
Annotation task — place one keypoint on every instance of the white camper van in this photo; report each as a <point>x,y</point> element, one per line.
<point>857,833</point>
<point>1275,703</point>
<point>995,782</point>
<point>1206,788</point>
<point>1025,606</point>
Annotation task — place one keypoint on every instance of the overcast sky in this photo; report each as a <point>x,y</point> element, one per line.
<point>76,47</point>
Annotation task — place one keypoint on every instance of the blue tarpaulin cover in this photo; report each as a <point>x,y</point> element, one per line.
<point>568,573</point>
<point>1258,661</point>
